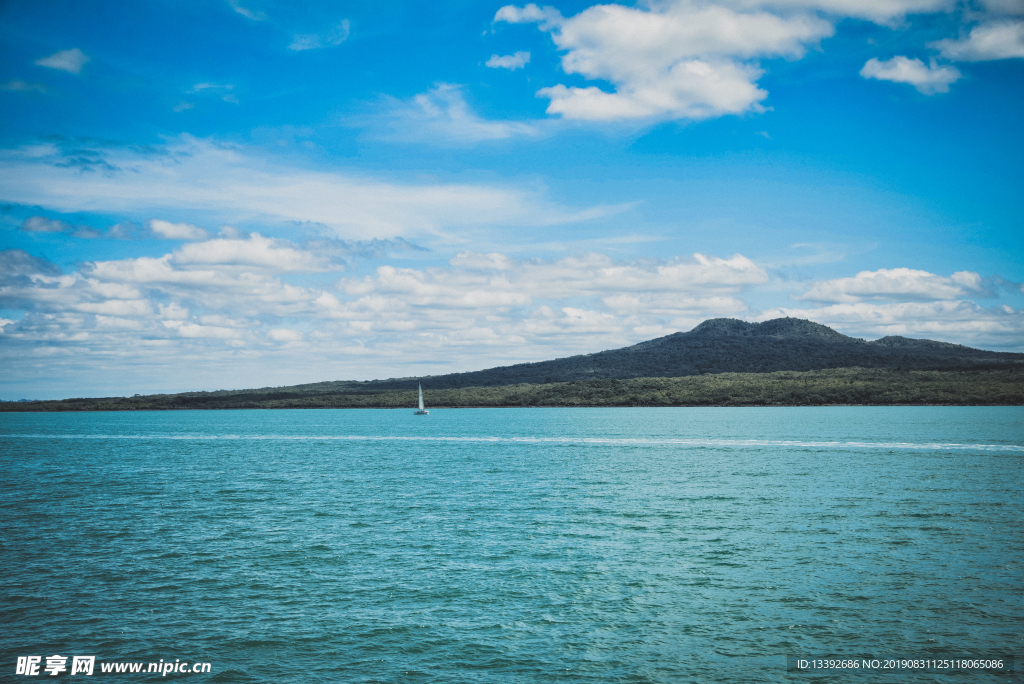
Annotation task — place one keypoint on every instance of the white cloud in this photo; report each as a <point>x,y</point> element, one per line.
<point>41,224</point>
<point>285,335</point>
<point>510,62</point>
<point>673,61</point>
<point>215,87</point>
<point>1004,7</point>
<point>879,11</point>
<point>312,41</point>
<point>693,90</point>
<point>547,17</point>
<point>223,91</point>
<point>247,13</point>
<point>442,115</point>
<point>477,280</point>
<point>913,303</point>
<point>959,321</point>
<point>928,80</point>
<point>224,309</point>
<point>488,262</point>
<point>898,283</point>
<point>23,87</point>
<point>176,231</point>
<point>256,251</point>
<point>988,41</point>
<point>225,297</point>
<point>238,186</point>
<point>70,61</point>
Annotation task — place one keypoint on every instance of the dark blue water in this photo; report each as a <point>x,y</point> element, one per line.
<point>529,545</point>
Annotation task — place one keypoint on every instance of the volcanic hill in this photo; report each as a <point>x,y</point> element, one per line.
<point>729,345</point>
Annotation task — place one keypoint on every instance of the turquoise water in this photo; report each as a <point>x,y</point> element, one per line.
<point>528,545</point>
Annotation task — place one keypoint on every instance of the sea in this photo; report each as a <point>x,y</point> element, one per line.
<point>514,545</point>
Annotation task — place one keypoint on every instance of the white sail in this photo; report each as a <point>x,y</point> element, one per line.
<point>421,411</point>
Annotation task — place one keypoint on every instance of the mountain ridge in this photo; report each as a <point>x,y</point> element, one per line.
<point>728,345</point>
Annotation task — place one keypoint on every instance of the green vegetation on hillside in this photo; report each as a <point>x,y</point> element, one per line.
<point>875,386</point>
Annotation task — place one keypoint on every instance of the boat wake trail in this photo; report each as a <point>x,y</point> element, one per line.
<point>580,441</point>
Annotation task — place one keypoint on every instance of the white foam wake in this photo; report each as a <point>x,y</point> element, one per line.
<point>603,441</point>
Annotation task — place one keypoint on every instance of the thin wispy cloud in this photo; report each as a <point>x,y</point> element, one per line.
<point>245,12</point>
<point>313,41</point>
<point>234,184</point>
<point>442,116</point>
<point>70,61</point>
<point>23,87</point>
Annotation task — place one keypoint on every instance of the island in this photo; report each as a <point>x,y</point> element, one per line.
<point>721,362</point>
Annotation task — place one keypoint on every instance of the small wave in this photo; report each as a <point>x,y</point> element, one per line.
<point>602,441</point>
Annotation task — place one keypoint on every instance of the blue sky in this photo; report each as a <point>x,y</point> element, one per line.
<point>240,193</point>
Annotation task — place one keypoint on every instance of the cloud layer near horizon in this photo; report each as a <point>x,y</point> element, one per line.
<point>228,304</point>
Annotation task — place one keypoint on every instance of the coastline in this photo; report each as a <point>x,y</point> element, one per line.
<point>832,387</point>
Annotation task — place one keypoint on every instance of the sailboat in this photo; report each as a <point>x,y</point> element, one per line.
<point>421,411</point>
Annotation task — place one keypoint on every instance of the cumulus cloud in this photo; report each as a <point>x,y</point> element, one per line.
<point>885,12</point>
<point>312,41</point>
<point>510,62</point>
<point>15,263</point>
<point>988,41</point>
<point>928,79</point>
<point>671,61</point>
<point>1004,7</point>
<point>680,287</point>
<point>175,231</point>
<point>254,251</point>
<point>899,283</point>
<point>236,185</point>
<point>914,303</point>
<point>228,296</point>
<point>226,307</point>
<point>70,61</point>
<point>694,59</point>
<point>546,17</point>
<point>960,321</point>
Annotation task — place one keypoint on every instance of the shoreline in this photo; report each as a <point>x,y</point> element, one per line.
<point>832,387</point>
